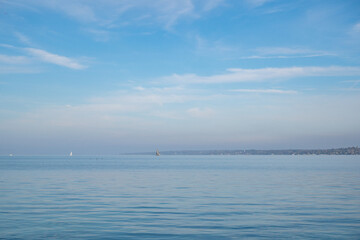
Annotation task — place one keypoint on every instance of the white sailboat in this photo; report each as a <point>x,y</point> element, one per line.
<point>70,154</point>
<point>157,152</point>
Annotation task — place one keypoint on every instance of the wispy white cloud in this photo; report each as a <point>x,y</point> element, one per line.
<point>6,69</point>
<point>286,52</point>
<point>262,74</point>
<point>351,81</point>
<point>174,10</point>
<point>7,46</point>
<point>14,59</point>
<point>282,50</point>
<point>16,64</point>
<point>34,56</point>
<point>356,28</point>
<point>133,102</point>
<point>353,89</point>
<point>108,13</point>
<point>77,9</point>
<point>140,100</point>
<point>99,35</point>
<point>284,56</point>
<point>201,113</point>
<point>273,91</point>
<point>54,58</point>
<point>208,47</point>
<point>354,32</point>
<point>257,3</point>
<point>211,4</point>
<point>139,88</point>
<point>354,83</point>
<point>22,38</point>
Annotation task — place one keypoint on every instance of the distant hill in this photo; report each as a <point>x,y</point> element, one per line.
<point>333,151</point>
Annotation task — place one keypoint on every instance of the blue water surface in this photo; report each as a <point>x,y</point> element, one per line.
<point>180,197</point>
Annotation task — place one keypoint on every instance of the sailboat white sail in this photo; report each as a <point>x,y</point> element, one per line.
<point>157,152</point>
<point>70,154</point>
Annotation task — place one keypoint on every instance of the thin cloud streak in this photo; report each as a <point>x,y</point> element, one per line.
<point>19,69</point>
<point>13,59</point>
<point>284,56</point>
<point>276,91</point>
<point>262,74</point>
<point>201,113</point>
<point>356,28</point>
<point>22,38</point>
<point>109,13</point>
<point>286,52</point>
<point>257,3</point>
<point>41,55</point>
<point>55,59</point>
<point>7,46</point>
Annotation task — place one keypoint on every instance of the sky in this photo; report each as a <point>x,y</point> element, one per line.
<point>111,77</point>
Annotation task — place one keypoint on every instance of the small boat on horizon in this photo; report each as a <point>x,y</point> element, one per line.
<point>70,154</point>
<point>157,152</point>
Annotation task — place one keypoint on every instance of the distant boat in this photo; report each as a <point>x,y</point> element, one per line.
<point>10,155</point>
<point>157,152</point>
<point>70,154</point>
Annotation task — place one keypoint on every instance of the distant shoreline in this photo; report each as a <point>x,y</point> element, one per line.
<point>333,151</point>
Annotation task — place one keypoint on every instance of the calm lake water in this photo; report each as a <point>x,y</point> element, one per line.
<point>180,197</point>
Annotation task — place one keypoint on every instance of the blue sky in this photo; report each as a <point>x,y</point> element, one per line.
<point>108,77</point>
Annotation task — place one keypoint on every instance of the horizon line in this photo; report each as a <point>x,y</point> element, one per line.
<point>174,151</point>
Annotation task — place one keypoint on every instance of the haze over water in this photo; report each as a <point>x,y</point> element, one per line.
<point>180,197</point>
